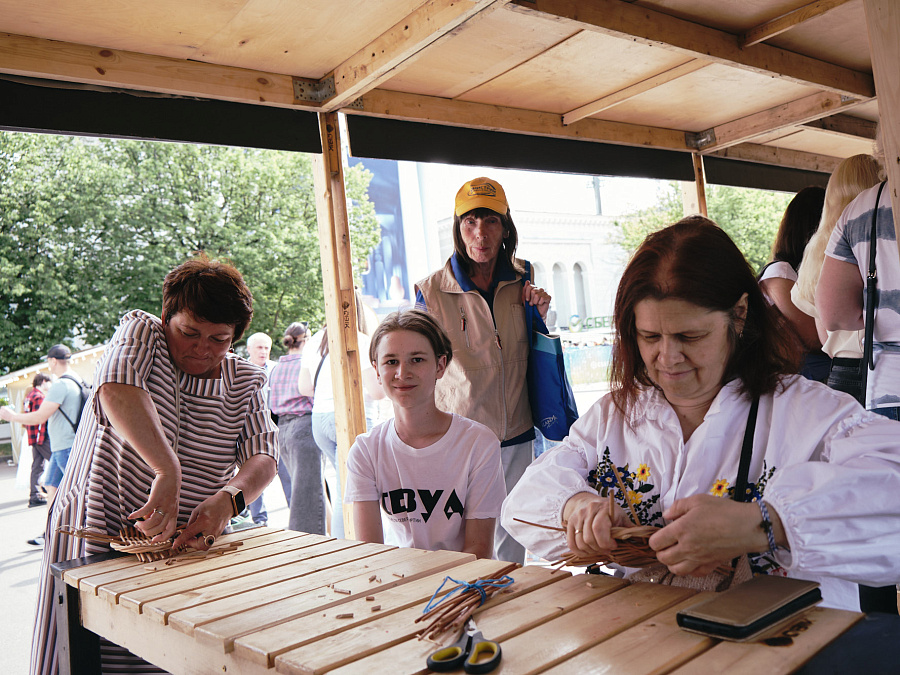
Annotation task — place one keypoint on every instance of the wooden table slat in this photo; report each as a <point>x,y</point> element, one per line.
<point>809,633</point>
<point>278,602</point>
<point>531,610</point>
<point>160,601</point>
<point>652,647</point>
<point>573,632</point>
<point>128,566</point>
<point>146,573</point>
<point>352,644</point>
<point>264,645</point>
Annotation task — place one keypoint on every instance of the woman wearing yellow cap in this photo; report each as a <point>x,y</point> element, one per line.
<point>479,300</point>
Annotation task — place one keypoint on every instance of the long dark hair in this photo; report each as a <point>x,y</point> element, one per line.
<point>799,223</point>
<point>694,260</point>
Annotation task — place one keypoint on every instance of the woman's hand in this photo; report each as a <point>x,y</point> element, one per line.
<point>588,522</point>
<point>709,531</point>
<point>158,518</point>
<point>538,297</point>
<point>209,518</point>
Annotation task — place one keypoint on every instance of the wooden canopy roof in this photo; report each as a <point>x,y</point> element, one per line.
<point>784,82</point>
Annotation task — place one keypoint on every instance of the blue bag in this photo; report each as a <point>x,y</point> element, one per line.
<point>549,392</point>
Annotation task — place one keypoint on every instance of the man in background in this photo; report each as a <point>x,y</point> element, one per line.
<point>259,347</point>
<point>38,438</point>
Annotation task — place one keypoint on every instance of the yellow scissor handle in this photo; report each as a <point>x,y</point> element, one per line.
<point>484,657</point>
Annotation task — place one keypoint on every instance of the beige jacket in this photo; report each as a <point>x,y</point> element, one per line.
<point>486,378</point>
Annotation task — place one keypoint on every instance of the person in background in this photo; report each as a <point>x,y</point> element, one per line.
<point>60,408</point>
<point>38,438</point>
<point>259,346</point>
<point>479,300</point>
<point>800,220</point>
<point>423,451</point>
<point>852,176</point>
<point>697,349</point>
<point>315,381</point>
<point>298,447</point>
<point>173,413</point>
<point>841,299</point>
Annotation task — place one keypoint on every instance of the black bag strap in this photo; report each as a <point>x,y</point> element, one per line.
<point>80,397</point>
<point>740,484</point>
<point>871,290</point>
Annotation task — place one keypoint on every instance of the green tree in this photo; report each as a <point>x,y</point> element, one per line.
<point>89,228</point>
<point>750,217</point>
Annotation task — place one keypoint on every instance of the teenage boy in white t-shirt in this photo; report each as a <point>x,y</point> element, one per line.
<point>436,476</point>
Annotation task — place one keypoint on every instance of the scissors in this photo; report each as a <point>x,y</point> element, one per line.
<point>471,652</point>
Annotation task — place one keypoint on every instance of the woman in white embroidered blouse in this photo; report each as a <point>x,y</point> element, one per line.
<point>696,343</point>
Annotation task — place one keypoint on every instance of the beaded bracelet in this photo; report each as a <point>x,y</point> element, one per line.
<point>766,525</point>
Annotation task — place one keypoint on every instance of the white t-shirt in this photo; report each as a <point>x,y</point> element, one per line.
<point>427,494</point>
<point>323,400</point>
<point>777,270</point>
<point>830,469</point>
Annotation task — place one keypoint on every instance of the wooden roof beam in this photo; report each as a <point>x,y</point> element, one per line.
<point>776,26</point>
<point>647,26</point>
<point>431,109</point>
<point>69,62</point>
<point>846,125</point>
<point>633,90</point>
<point>769,154</point>
<point>400,46</point>
<point>790,114</point>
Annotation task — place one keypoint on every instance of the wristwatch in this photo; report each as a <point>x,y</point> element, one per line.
<point>237,498</point>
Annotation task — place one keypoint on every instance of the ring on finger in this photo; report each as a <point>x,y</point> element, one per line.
<point>577,531</point>
<point>208,539</point>
<point>162,513</point>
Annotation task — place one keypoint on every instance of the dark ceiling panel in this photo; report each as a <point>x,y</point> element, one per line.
<point>414,141</point>
<point>69,109</point>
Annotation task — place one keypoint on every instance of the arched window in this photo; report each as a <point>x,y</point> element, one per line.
<point>581,300</point>
<point>561,296</point>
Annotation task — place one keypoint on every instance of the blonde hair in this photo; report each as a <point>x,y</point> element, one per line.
<point>852,176</point>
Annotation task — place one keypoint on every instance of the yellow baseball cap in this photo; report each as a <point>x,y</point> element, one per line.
<point>481,193</point>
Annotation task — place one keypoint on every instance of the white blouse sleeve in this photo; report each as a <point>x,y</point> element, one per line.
<point>841,514</point>
<point>550,481</point>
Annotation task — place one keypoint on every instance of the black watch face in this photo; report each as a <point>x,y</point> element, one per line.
<point>239,502</point>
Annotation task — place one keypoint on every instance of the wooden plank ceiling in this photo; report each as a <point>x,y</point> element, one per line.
<point>786,82</point>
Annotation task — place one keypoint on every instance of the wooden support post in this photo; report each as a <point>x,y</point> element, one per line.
<point>340,302</point>
<point>694,195</point>
<point>883,23</point>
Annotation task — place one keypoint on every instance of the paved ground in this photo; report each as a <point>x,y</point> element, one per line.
<point>20,564</point>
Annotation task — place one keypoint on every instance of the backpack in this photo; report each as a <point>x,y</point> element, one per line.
<point>85,390</point>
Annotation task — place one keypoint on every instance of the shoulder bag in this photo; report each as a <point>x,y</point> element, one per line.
<point>553,408</point>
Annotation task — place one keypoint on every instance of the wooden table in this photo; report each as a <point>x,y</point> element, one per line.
<point>288,602</point>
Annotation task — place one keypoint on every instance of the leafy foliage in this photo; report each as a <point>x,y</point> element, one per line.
<point>89,228</point>
<point>750,217</point>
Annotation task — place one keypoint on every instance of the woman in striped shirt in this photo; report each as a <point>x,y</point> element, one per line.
<point>176,432</point>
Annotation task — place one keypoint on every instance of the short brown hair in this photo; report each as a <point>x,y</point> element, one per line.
<point>694,260</point>
<point>209,290</point>
<point>418,322</point>
<point>39,379</point>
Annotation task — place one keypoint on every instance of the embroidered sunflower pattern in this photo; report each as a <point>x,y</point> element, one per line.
<point>638,488</point>
<point>762,563</point>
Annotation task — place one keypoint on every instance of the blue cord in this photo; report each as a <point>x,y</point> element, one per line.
<point>464,586</point>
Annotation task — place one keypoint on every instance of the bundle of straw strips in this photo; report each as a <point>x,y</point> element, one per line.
<point>449,609</point>
<point>138,544</point>
<point>632,543</point>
